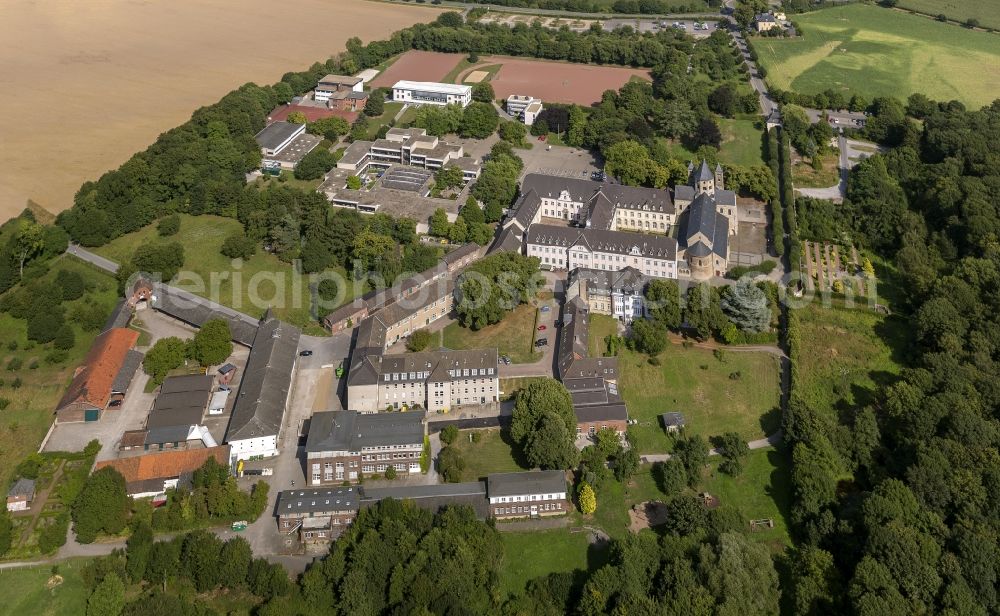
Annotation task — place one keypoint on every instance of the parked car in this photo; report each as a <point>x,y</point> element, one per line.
<point>505,360</point>
<point>305,353</point>
<point>545,308</point>
<point>542,342</point>
<point>114,403</point>
<point>541,328</point>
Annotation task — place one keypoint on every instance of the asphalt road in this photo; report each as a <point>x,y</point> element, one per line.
<point>81,253</point>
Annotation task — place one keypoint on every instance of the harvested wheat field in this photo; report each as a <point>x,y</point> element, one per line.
<point>86,84</point>
<point>558,82</point>
<point>417,65</point>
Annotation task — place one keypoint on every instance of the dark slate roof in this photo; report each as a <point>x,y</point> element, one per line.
<point>276,133</point>
<point>267,379</point>
<point>683,192</point>
<point>133,359</point>
<point>592,390</point>
<point>352,431</point>
<point>672,419</point>
<point>601,412</point>
<point>197,311</point>
<point>433,497</point>
<point>509,240</point>
<point>426,365</point>
<point>704,173</point>
<point>525,209</point>
<point>721,244</point>
<point>700,249</point>
<point>119,316</point>
<point>316,500</point>
<point>725,197</point>
<point>603,240</point>
<point>765,17</point>
<point>459,253</point>
<point>529,482</point>
<point>701,216</point>
<point>22,487</point>
<point>167,434</point>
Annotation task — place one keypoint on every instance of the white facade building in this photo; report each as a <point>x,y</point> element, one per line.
<point>431,93</point>
<point>524,108</point>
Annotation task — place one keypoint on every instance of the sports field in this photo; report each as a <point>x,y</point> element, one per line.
<point>416,65</point>
<point>558,82</point>
<point>877,52</point>
<point>987,12</point>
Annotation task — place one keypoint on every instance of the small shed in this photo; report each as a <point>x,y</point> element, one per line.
<point>218,404</point>
<point>672,422</point>
<point>226,374</point>
<point>20,495</point>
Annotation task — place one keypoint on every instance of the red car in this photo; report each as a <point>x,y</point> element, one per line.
<point>541,328</point>
<point>542,137</point>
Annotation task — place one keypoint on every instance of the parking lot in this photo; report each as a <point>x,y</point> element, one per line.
<point>559,160</point>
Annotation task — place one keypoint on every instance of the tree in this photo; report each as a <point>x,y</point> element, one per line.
<point>6,531</point>
<point>740,575</point>
<point>418,340</point>
<point>168,225</point>
<point>544,424</point>
<point>28,242</point>
<point>297,117</point>
<point>587,499</point>
<point>375,105</point>
<point>331,128</point>
<point>234,561</point>
<point>108,599</point>
<point>451,464</point>
<point>479,120</point>
<point>693,454</point>
<point>200,559</point>
<point>628,161</point>
<point>723,100</point>
<point>747,306</point>
<point>65,337</point>
<point>138,549</point>
<point>734,449</point>
<point>671,476</point>
<point>70,284</point>
<point>493,286</point>
<point>213,343</point>
<point>707,133</point>
<point>102,505</point>
<point>513,131</point>
<point>353,182</point>
<point>685,515</point>
<point>448,177</point>
<point>868,268</point>
<point>315,164</point>
<point>439,224</point>
<point>166,354</point>
<point>163,259</point>
<point>664,303</point>
<point>458,232</point>
<point>448,434</point>
<point>238,246</point>
<point>483,92</point>
<point>471,212</point>
<point>626,463</point>
<point>648,337</point>
<point>450,19</point>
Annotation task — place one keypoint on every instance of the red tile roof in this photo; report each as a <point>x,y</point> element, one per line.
<point>165,465</point>
<point>93,381</point>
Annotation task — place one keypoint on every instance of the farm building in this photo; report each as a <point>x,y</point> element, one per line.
<point>104,376</point>
<point>150,475</point>
<point>20,495</point>
<point>672,422</point>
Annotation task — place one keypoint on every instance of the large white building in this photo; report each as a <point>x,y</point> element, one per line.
<point>524,108</point>
<point>407,146</point>
<point>431,93</point>
<point>284,144</point>
<point>570,247</point>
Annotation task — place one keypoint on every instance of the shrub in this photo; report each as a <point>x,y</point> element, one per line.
<point>65,338</point>
<point>587,499</point>
<point>477,436</point>
<point>4,403</point>
<point>33,365</point>
<point>71,284</point>
<point>168,225</point>
<point>12,345</point>
<point>390,473</point>
<point>56,357</point>
<point>418,341</point>
<point>449,434</point>
<point>15,363</point>
<point>238,246</point>
<point>16,383</point>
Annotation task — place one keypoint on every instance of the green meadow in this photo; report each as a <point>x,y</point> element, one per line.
<point>873,51</point>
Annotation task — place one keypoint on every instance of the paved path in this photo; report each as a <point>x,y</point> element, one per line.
<point>94,259</point>
<point>762,443</point>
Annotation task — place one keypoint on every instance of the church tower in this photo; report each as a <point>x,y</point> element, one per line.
<point>719,183</point>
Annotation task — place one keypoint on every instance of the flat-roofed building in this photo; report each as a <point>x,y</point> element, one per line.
<point>284,144</point>
<point>341,92</point>
<point>407,146</point>
<point>342,445</point>
<point>524,108</point>
<point>529,494</point>
<point>431,93</point>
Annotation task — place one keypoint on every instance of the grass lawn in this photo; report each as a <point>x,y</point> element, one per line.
<point>289,180</point>
<point>495,453</point>
<point>762,490</point>
<point>533,554</point>
<point>389,111</point>
<point>804,176</point>
<point>601,326</point>
<point>986,11</point>
<point>844,354</point>
<point>263,277</point>
<point>24,422</point>
<point>741,142</point>
<point>872,51</point>
<point>27,593</point>
<point>513,336</point>
<point>712,402</point>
